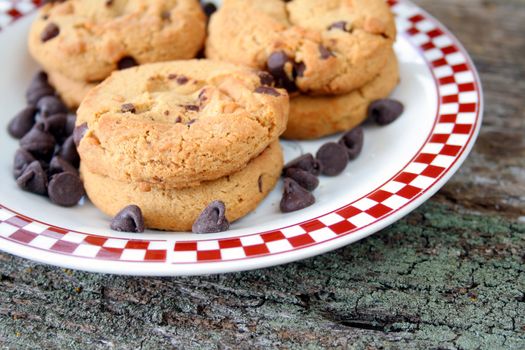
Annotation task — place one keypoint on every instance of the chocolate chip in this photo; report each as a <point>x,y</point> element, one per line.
<point>22,122</point>
<point>65,189</point>
<point>178,120</point>
<point>109,3</point>
<point>59,165</point>
<point>277,63</point>
<point>304,178</point>
<point>260,184</point>
<point>55,124</point>
<point>172,76</point>
<point>39,142</point>
<point>267,90</point>
<point>325,53</point>
<point>212,219</point>
<point>333,158</point>
<point>22,159</point>
<point>129,219</point>
<point>209,8</point>
<point>266,78</point>
<point>341,25</point>
<point>33,179</point>
<point>300,68</point>
<point>79,133</point>
<point>385,111</point>
<point>191,122</point>
<point>50,31</point>
<point>353,141</point>
<point>38,88</point>
<point>295,197</point>
<point>305,162</point>
<point>192,108</point>
<point>70,124</point>
<point>128,108</point>
<point>165,15</point>
<point>182,80</point>
<point>126,62</point>
<point>69,152</point>
<point>50,105</point>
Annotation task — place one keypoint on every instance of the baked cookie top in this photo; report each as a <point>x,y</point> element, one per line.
<point>314,46</point>
<point>179,123</point>
<point>86,40</point>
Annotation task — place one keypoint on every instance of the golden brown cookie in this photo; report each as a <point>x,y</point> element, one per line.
<point>177,210</point>
<point>179,123</point>
<point>315,117</point>
<point>318,46</point>
<point>71,91</point>
<point>86,40</point>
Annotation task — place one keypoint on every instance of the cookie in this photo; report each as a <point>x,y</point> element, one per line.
<point>71,91</point>
<point>179,123</point>
<point>86,40</point>
<point>314,46</point>
<point>177,209</point>
<point>316,117</point>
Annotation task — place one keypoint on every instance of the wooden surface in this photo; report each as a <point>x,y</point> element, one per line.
<point>449,276</point>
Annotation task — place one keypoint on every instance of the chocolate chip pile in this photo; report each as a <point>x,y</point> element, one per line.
<point>47,161</point>
<point>301,174</point>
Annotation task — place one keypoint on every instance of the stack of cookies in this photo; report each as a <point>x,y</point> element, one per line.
<point>79,43</point>
<point>334,57</point>
<point>173,137</point>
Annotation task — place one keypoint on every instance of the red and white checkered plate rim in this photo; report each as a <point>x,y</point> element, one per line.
<point>455,129</point>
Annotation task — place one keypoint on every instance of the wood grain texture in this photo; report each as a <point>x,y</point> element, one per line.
<point>449,276</point>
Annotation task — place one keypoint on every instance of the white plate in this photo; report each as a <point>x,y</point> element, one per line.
<point>402,165</point>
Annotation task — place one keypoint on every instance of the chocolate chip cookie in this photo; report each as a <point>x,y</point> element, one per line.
<point>71,91</point>
<point>315,117</point>
<point>177,124</point>
<point>85,40</point>
<point>177,209</point>
<point>317,47</point>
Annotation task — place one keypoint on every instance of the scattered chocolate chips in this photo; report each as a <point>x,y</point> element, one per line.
<point>22,123</point>
<point>128,108</point>
<point>55,124</point>
<point>266,78</point>
<point>295,197</point>
<point>65,189</point>
<point>68,152</point>
<point>277,63</point>
<point>333,158</point>
<point>49,105</point>
<point>341,25</point>
<point>70,124</point>
<point>209,8</point>
<point>59,165</point>
<point>267,90</point>
<point>38,88</point>
<point>305,162</point>
<point>325,53</point>
<point>50,31</point>
<point>353,141</point>
<point>79,133</point>
<point>22,159</point>
<point>39,142</point>
<point>126,62</point>
<point>33,179</point>
<point>212,219</point>
<point>129,219</point>
<point>304,178</point>
<point>385,111</point>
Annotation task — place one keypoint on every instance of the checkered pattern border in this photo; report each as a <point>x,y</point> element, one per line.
<point>456,122</point>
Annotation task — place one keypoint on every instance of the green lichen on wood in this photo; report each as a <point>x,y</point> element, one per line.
<point>436,278</point>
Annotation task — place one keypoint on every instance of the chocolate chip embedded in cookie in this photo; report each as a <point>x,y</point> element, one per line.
<point>85,40</point>
<point>314,46</point>
<point>146,125</point>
